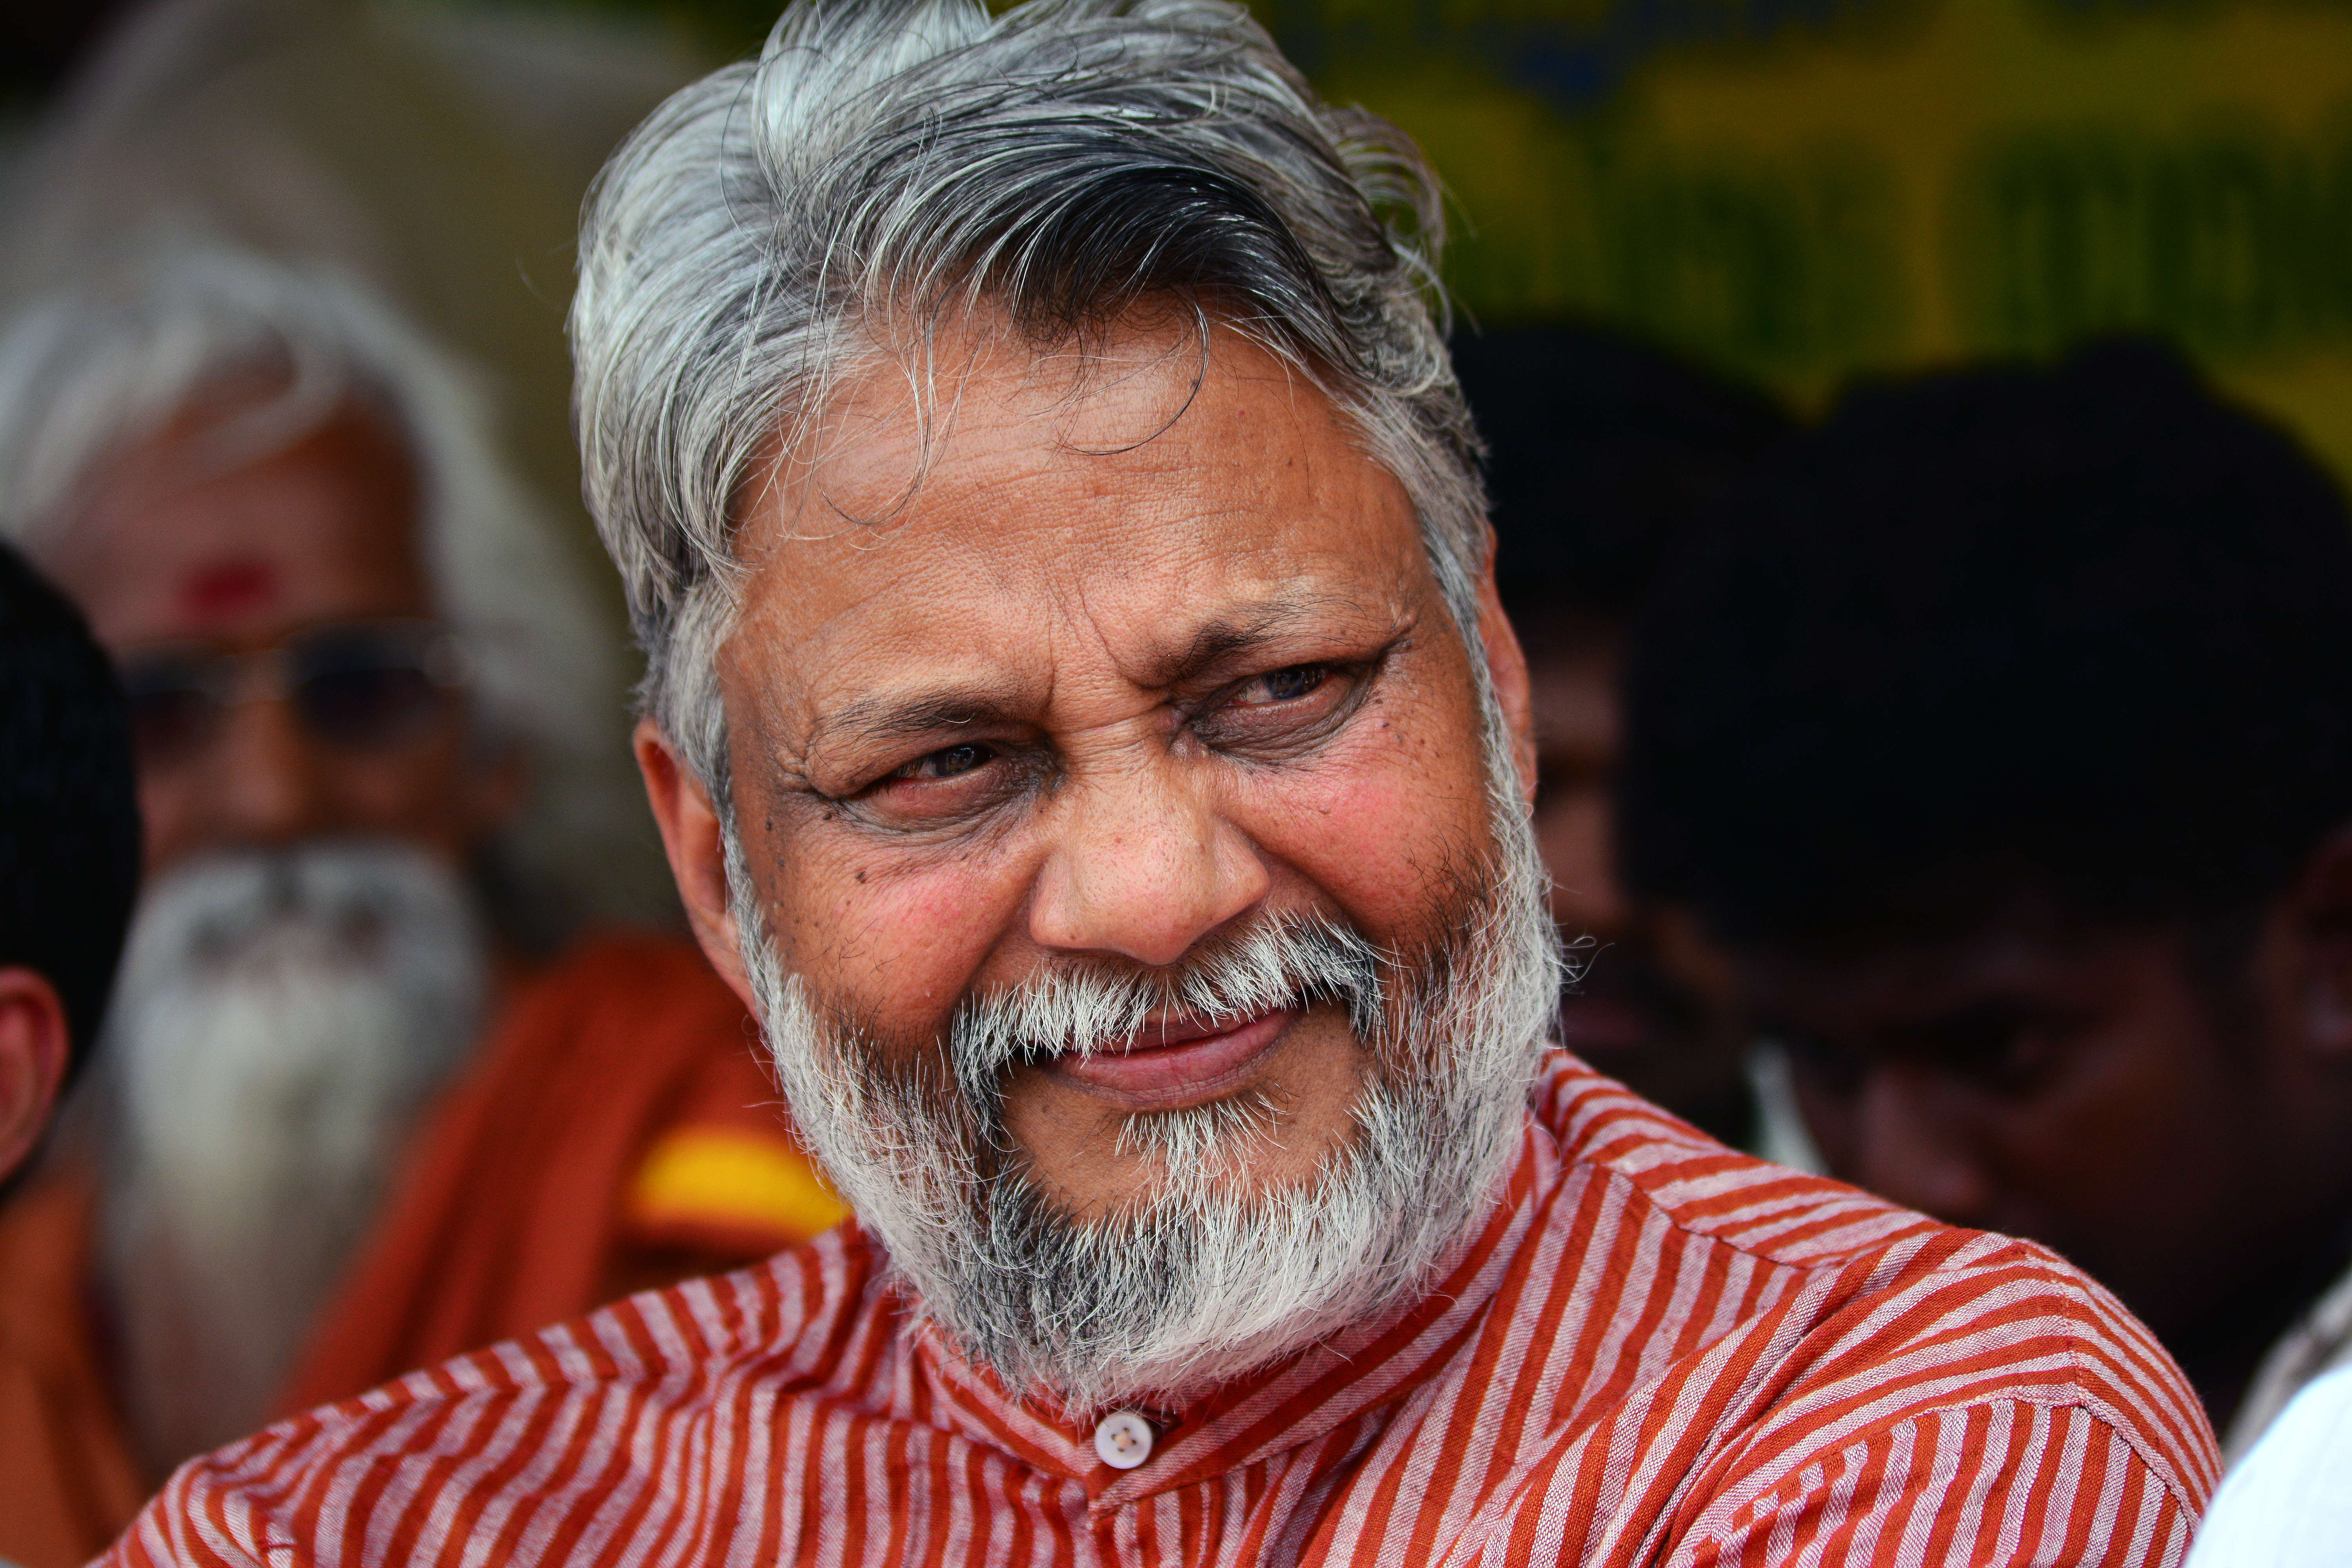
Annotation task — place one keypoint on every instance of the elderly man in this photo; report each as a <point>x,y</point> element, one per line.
<point>1082,724</point>
<point>356,1113</point>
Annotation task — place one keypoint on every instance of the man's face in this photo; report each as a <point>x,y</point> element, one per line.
<point>1644,1009</point>
<point>2093,1088</point>
<point>1124,664</point>
<point>175,548</point>
<point>305,933</point>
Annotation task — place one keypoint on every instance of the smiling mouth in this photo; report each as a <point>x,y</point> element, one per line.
<point>1178,1062</point>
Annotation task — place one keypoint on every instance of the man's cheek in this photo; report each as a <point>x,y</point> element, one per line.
<point>905,936</point>
<point>1374,840</point>
<point>1830,1120</point>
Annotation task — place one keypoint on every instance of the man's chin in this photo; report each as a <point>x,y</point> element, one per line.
<point>1242,1152</point>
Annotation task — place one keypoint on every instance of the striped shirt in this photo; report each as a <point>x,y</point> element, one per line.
<point>1655,1351</point>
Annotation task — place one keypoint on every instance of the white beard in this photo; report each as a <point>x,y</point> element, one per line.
<point>282,1019</point>
<point>1207,1276</point>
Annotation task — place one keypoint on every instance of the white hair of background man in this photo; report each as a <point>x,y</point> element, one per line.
<point>884,166</point>
<point>87,372</point>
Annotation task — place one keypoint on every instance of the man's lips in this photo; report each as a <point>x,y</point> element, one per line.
<point>1179,1062</point>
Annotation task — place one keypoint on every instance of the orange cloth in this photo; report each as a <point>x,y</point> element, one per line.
<point>616,1132</point>
<point>67,1485</point>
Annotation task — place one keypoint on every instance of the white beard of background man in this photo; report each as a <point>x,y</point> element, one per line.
<point>282,1019</point>
<point>1081,722</point>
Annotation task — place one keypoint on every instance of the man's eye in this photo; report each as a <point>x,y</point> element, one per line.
<point>1284,685</point>
<point>944,764</point>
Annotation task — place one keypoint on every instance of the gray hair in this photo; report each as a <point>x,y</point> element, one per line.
<point>91,369</point>
<point>882,165</point>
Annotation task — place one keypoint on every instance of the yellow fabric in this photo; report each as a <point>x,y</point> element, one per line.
<point>706,1176</point>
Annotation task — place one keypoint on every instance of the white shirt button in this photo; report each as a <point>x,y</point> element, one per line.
<point>1123,1439</point>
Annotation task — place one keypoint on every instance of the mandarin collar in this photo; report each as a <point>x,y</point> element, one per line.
<point>1293,1402</point>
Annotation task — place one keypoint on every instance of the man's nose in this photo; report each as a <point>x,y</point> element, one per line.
<point>1143,866</point>
<point>265,778</point>
<point>1910,1147</point>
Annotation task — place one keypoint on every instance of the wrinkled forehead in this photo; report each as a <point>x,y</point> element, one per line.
<point>995,512</point>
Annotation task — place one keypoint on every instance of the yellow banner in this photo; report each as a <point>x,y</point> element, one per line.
<point>1802,189</point>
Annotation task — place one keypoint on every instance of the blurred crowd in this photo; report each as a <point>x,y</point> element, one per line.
<point>1949,791</point>
<point>403,1056</point>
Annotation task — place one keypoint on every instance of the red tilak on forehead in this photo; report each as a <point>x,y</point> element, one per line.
<point>227,587</point>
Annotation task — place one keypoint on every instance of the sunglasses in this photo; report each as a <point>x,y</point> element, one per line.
<point>356,686</point>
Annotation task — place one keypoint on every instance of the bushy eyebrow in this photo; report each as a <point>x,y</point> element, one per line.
<point>896,717</point>
<point>1228,640</point>
<point>1225,640</point>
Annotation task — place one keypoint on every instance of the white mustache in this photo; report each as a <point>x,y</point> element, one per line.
<point>1080,1009</point>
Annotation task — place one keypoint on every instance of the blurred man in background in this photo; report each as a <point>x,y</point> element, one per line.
<point>2004,738</point>
<point>1604,454</point>
<point>366,1102</point>
<point>68,872</point>
<point>437,153</point>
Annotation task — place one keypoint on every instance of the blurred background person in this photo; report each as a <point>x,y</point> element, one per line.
<point>1604,455</point>
<point>368,1097</point>
<point>2002,737</point>
<point>438,154</point>
<point>68,873</point>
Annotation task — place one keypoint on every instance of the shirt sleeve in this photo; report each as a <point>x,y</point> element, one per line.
<point>2000,1483</point>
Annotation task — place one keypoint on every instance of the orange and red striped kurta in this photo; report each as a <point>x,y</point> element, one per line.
<point>1656,1352</point>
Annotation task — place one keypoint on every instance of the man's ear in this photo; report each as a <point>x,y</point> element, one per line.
<point>35,1046</point>
<point>2314,920</point>
<point>1506,667</point>
<point>697,846</point>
